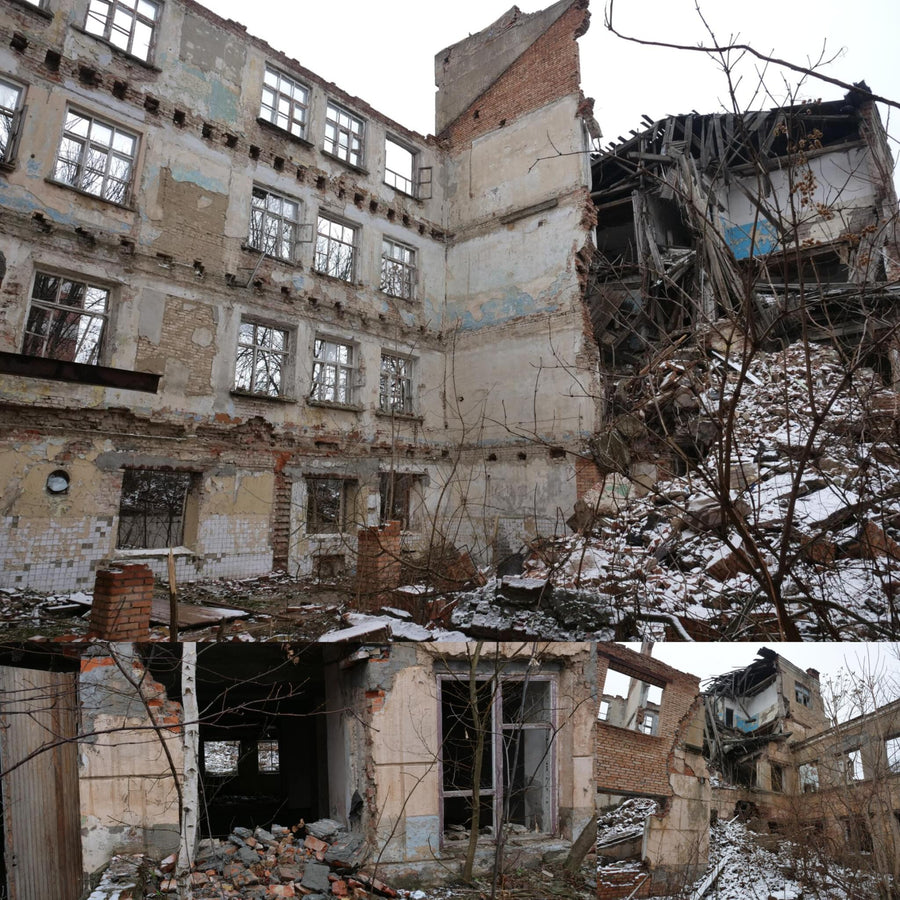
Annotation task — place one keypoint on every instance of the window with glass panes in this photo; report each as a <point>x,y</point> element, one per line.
<point>262,359</point>
<point>333,370</point>
<point>274,221</point>
<point>126,24</point>
<point>398,269</point>
<point>395,388</point>
<point>344,134</point>
<point>10,101</point>
<point>335,248</point>
<point>285,102</point>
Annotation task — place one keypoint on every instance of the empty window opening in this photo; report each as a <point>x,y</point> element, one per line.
<point>327,505</point>
<point>603,714</point>
<point>853,766</point>
<point>399,167</point>
<point>126,24</point>
<point>96,157</point>
<point>333,372</point>
<point>398,269</point>
<point>153,509</point>
<point>267,759</point>
<point>892,753</point>
<point>633,704</point>
<point>802,694</point>
<point>285,102</point>
<point>336,249</point>
<point>262,359</point>
<point>10,117</point>
<point>809,778</point>
<point>776,777</point>
<point>399,498</point>
<point>395,392</point>
<point>66,320</point>
<point>344,134</point>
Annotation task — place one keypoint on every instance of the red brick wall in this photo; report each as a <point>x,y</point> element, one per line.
<point>546,71</point>
<point>586,476</point>
<point>618,885</point>
<point>377,564</point>
<point>123,596</point>
<point>631,762</point>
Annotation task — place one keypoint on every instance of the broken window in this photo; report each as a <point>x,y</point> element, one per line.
<point>801,694</point>
<point>262,359</point>
<point>515,722</point>
<point>96,157</point>
<point>336,248</point>
<point>267,759</point>
<point>892,753</point>
<point>397,491</point>
<point>399,167</point>
<point>327,505</point>
<point>395,386</point>
<point>603,715</point>
<point>285,102</point>
<point>152,509</point>
<point>857,834</point>
<point>640,702</point>
<point>221,757</point>
<point>126,24</point>
<point>398,269</point>
<point>777,777</point>
<point>344,134</point>
<point>809,778</point>
<point>853,766</point>
<point>66,320</point>
<point>274,224</point>
<point>10,118</point>
<point>333,372</point>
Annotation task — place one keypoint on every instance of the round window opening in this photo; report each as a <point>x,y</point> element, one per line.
<point>58,482</point>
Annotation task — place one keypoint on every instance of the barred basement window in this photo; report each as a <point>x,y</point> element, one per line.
<point>10,118</point>
<point>152,509</point>
<point>398,269</point>
<point>274,224</point>
<point>327,502</point>
<point>263,358</point>
<point>333,372</point>
<point>285,102</point>
<point>395,385</point>
<point>96,157</point>
<point>67,319</point>
<point>336,248</point>
<point>344,134</point>
<point>126,24</point>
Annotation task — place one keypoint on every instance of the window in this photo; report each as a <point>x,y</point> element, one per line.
<point>221,757</point>
<point>603,715</point>
<point>649,724</point>
<point>267,760</point>
<point>274,223</point>
<point>515,719</point>
<point>344,134</point>
<point>327,504</point>
<point>399,167</point>
<point>262,359</point>
<point>777,778</point>
<point>801,694</point>
<point>126,24</point>
<point>809,778</point>
<point>853,766</point>
<point>638,702</point>
<point>892,753</point>
<point>152,509</point>
<point>285,102</point>
<point>397,491</point>
<point>96,157</point>
<point>395,385</point>
<point>10,118</point>
<point>398,269</point>
<point>332,378</point>
<point>66,320</point>
<point>336,249</point>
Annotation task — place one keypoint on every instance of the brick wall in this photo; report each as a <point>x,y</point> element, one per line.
<point>631,762</point>
<point>586,475</point>
<point>546,71</point>
<point>377,564</point>
<point>123,596</point>
<point>613,885</point>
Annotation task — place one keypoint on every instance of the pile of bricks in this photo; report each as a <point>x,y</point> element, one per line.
<point>318,861</point>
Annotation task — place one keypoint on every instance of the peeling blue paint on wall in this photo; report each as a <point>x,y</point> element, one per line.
<point>422,836</point>
<point>760,235</point>
<point>23,202</point>
<point>224,104</point>
<point>512,305</point>
<point>201,179</point>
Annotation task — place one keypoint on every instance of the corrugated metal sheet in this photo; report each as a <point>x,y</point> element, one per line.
<point>38,754</point>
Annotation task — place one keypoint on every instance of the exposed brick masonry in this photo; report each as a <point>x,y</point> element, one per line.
<point>378,563</point>
<point>122,599</point>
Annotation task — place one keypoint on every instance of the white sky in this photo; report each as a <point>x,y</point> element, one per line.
<point>383,52</point>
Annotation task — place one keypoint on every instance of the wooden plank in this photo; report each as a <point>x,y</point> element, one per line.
<point>190,616</point>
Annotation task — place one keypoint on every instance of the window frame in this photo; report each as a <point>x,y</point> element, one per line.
<point>392,264</point>
<point>15,115</point>
<point>281,220</point>
<point>333,245</point>
<point>335,125</point>
<point>188,489</point>
<point>411,190</point>
<point>498,728</point>
<point>892,753</point>
<point>97,354</point>
<point>109,29</point>
<point>286,356</point>
<point>314,525</point>
<point>322,365</point>
<point>802,695</point>
<point>109,152</point>
<point>409,484</point>
<point>388,382</point>
<point>293,103</point>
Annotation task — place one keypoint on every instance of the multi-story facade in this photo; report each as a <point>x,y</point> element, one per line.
<point>243,314</point>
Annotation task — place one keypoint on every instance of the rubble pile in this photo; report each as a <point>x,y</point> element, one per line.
<point>318,861</point>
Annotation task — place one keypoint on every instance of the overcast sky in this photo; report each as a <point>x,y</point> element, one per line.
<point>384,51</point>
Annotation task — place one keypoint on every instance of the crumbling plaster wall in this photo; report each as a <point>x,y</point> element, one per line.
<point>130,759</point>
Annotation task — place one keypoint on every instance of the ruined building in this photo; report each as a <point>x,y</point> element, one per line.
<point>115,748</point>
<point>243,314</point>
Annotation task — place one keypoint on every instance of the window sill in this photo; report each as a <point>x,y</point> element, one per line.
<point>266,398</point>
<point>401,192</point>
<point>7,165</point>
<point>402,417</point>
<point>152,553</point>
<point>336,280</point>
<point>352,166</point>
<point>271,126</point>
<point>397,296</point>
<point>37,10</point>
<point>124,54</point>
<point>256,251</point>
<point>71,187</point>
<point>329,404</point>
